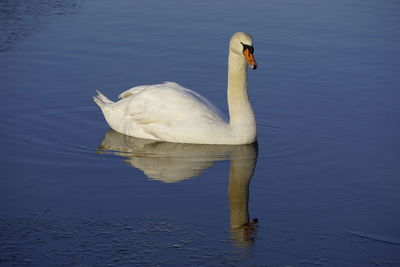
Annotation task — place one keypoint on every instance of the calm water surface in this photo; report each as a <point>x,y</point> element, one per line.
<point>323,180</point>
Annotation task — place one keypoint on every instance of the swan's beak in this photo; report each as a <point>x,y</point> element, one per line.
<point>250,59</point>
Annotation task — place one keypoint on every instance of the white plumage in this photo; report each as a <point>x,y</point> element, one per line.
<point>170,112</point>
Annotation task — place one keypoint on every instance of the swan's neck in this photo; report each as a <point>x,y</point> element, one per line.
<point>241,115</point>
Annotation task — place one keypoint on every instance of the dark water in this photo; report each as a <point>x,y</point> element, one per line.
<point>323,182</point>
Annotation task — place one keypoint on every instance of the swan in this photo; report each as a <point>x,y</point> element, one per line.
<point>170,112</point>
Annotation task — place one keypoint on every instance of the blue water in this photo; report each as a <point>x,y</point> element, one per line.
<point>326,171</point>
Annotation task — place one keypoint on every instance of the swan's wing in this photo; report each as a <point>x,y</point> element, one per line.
<point>133,91</point>
<point>170,104</point>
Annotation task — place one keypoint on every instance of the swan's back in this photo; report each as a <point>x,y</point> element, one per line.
<point>167,112</point>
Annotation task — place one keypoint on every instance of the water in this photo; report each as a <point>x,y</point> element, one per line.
<point>326,170</point>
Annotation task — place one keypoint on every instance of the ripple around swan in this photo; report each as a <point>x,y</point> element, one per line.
<point>42,138</point>
<point>76,133</point>
<point>280,140</point>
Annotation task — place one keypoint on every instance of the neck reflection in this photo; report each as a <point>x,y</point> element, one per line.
<point>241,171</point>
<point>174,162</point>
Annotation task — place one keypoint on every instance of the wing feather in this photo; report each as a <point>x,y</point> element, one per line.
<point>170,104</point>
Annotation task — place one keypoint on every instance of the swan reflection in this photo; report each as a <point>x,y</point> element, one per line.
<point>174,162</point>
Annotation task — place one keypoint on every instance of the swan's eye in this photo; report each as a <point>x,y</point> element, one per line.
<point>249,47</point>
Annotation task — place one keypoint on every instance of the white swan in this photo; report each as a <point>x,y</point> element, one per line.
<point>172,113</point>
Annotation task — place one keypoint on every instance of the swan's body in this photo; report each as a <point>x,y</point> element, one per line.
<point>170,112</point>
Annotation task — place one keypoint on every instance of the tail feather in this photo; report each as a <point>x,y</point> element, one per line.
<point>102,100</point>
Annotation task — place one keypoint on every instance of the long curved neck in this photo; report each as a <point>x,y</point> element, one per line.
<point>241,115</point>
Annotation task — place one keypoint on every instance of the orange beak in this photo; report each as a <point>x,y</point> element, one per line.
<point>250,59</point>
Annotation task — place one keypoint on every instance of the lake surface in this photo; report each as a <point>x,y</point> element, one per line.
<point>323,180</point>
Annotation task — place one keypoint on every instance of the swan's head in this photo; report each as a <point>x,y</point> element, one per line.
<point>241,43</point>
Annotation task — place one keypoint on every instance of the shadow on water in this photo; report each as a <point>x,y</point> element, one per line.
<point>174,162</point>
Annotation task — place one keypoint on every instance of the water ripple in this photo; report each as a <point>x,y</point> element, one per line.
<point>39,240</point>
<point>50,135</point>
<point>19,18</point>
<point>280,140</point>
<point>375,237</point>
